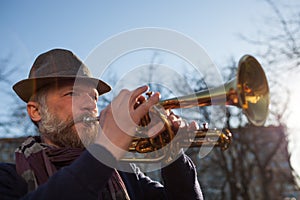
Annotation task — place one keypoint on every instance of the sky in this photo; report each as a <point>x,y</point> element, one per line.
<point>34,27</point>
<point>30,27</point>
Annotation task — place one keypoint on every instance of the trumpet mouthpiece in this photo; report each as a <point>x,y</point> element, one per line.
<point>90,119</point>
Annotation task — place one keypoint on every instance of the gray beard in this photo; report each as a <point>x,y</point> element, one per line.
<point>64,133</point>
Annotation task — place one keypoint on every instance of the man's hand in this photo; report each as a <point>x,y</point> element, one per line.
<point>118,121</point>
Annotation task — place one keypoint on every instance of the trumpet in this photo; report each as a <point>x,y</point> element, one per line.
<point>248,91</point>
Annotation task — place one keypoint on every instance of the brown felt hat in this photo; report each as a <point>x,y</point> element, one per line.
<point>53,66</point>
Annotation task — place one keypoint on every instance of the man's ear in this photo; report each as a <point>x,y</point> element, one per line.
<point>33,111</point>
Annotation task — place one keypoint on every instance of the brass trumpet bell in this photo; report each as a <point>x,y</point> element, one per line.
<point>249,91</point>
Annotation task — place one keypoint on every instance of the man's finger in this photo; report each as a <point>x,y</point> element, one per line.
<point>144,108</point>
<point>137,92</point>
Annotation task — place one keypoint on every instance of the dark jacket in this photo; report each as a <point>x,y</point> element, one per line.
<point>86,175</point>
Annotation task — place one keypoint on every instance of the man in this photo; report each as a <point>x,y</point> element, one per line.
<point>65,161</point>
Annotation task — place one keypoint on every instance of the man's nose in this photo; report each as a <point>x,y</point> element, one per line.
<point>89,102</point>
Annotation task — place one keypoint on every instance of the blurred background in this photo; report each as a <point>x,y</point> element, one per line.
<point>263,162</point>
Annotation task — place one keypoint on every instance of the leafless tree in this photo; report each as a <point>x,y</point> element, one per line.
<point>257,164</point>
<point>279,39</point>
<point>14,112</point>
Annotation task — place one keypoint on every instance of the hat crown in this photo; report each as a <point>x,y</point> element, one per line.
<point>58,62</point>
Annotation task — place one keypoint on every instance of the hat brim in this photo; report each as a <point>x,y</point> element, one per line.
<point>27,87</point>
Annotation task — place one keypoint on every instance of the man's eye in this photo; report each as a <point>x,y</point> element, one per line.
<point>71,94</point>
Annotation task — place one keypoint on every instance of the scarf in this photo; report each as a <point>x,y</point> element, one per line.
<point>36,162</point>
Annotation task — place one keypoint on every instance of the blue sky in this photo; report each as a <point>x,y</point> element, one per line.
<point>30,27</point>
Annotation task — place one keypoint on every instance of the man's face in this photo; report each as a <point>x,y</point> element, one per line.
<point>67,104</point>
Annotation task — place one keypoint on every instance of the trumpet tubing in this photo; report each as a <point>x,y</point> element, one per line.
<point>198,138</point>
